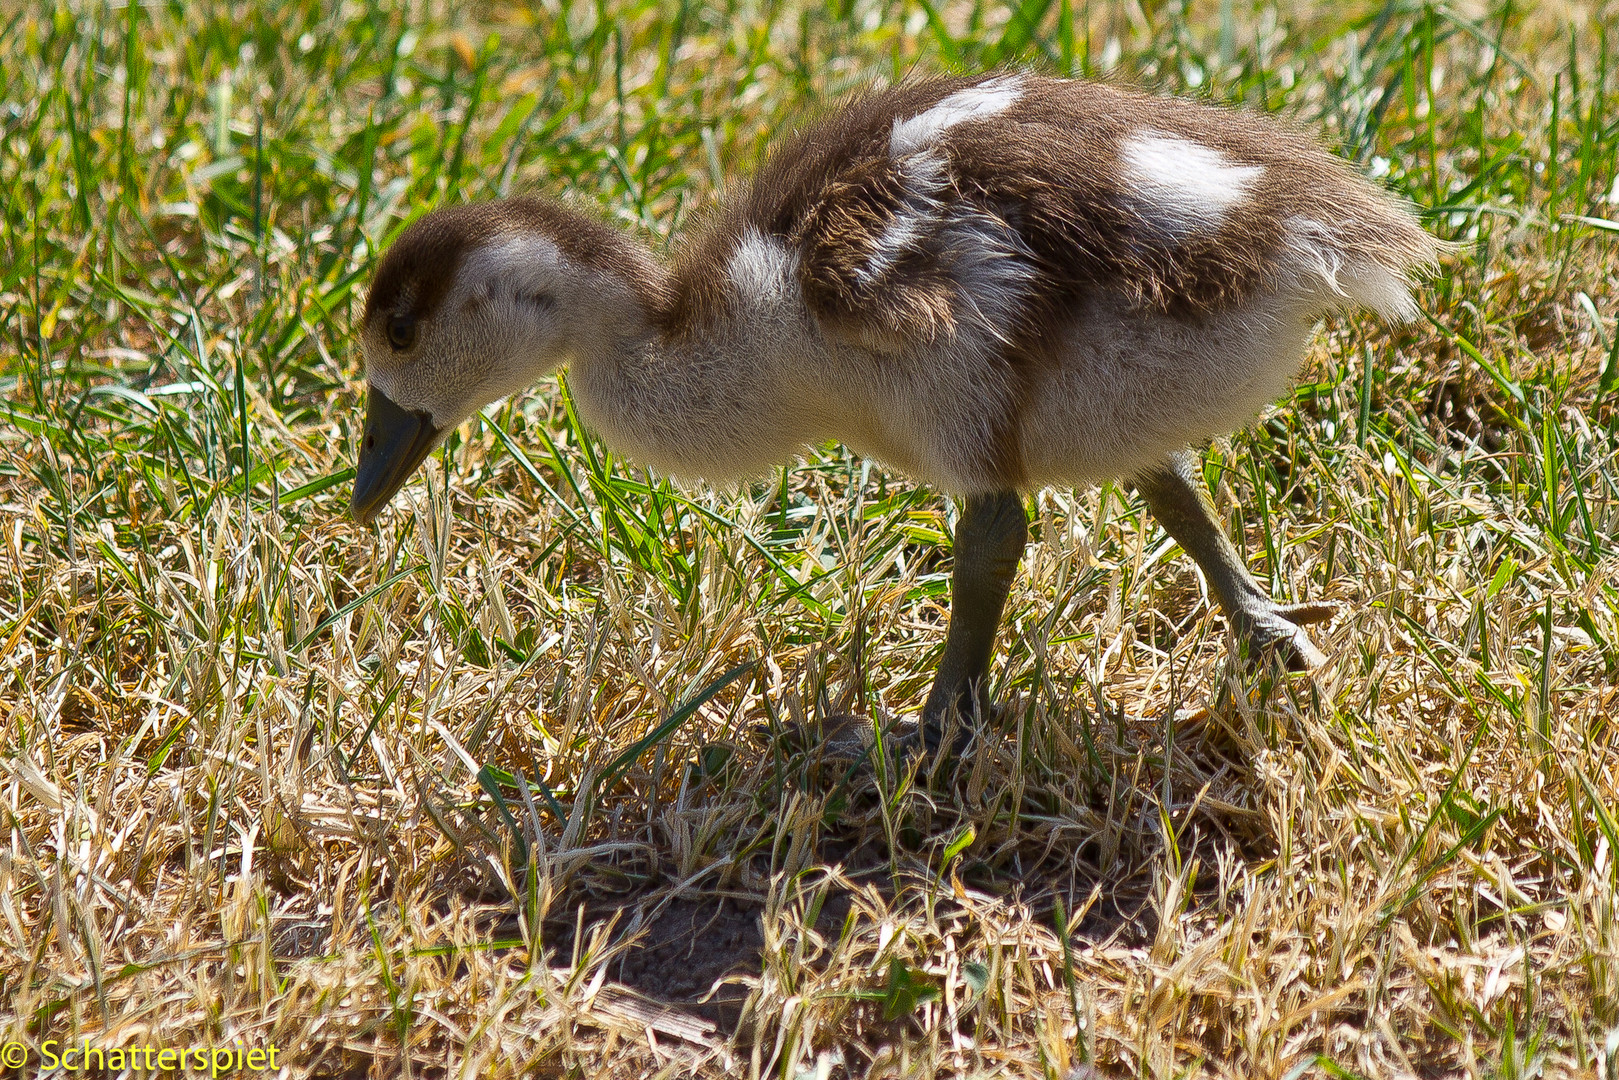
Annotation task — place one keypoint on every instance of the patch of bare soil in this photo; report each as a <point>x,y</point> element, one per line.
<point>689,946</point>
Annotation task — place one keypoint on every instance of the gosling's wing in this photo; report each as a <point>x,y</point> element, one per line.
<point>1183,207</point>
<point>889,251</point>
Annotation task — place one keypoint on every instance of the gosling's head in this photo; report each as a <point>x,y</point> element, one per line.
<point>473,303</point>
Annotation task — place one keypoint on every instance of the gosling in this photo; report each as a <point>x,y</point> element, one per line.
<point>991,284</point>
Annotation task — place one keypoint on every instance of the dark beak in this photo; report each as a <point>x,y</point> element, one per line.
<point>396,441</point>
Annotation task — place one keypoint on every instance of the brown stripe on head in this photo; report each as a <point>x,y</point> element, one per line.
<point>417,271</point>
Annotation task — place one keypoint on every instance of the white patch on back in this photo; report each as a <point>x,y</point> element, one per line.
<point>761,268</point>
<point>924,177</point>
<point>908,228</point>
<point>988,261</point>
<point>1189,186</point>
<point>974,103</point>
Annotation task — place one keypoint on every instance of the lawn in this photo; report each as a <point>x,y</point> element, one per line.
<point>550,773</point>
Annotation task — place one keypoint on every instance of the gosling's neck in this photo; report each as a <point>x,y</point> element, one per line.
<point>702,371</point>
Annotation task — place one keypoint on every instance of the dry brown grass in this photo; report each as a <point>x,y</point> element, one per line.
<point>257,769</point>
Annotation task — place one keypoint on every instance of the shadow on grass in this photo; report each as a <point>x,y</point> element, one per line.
<point>698,952</point>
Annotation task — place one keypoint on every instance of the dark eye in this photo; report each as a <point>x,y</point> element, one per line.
<point>402,331</point>
<point>540,300</point>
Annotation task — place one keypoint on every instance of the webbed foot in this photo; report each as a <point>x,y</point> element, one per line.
<point>1268,628</point>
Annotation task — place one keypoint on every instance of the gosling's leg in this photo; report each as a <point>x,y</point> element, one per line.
<point>990,537</point>
<point>1176,495</point>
